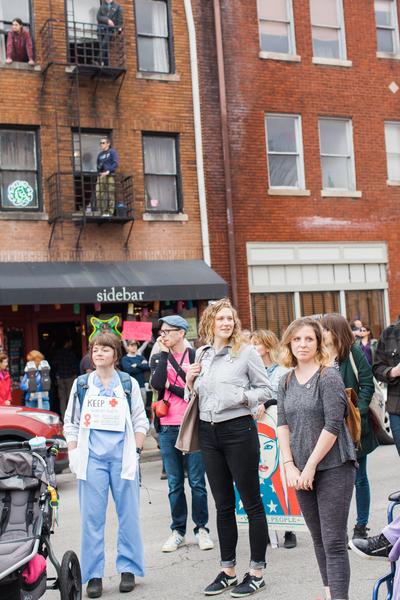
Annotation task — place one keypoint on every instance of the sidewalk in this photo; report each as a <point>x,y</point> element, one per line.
<point>150,450</point>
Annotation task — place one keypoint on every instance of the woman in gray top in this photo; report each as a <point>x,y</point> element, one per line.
<point>230,381</point>
<point>317,449</point>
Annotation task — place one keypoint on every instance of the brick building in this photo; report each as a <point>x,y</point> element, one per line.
<point>66,252</point>
<point>312,155</point>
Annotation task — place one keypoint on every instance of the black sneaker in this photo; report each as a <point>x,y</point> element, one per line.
<point>360,532</point>
<point>290,540</point>
<point>249,586</point>
<point>377,547</point>
<point>94,588</point>
<point>127,583</point>
<point>221,583</point>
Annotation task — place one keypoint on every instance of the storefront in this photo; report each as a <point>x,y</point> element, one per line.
<point>44,304</point>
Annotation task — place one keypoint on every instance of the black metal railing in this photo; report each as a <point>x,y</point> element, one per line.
<point>86,196</point>
<point>83,44</point>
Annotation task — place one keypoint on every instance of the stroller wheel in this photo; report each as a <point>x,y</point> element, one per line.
<point>70,581</point>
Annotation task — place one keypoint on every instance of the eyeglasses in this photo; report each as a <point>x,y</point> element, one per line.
<point>102,143</point>
<point>165,332</point>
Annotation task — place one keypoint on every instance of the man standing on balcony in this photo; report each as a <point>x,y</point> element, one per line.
<point>107,163</point>
<point>110,19</point>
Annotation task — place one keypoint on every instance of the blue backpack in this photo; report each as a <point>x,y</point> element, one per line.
<point>82,386</point>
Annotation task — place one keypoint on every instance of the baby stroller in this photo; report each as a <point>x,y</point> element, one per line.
<point>394,501</point>
<point>28,510</point>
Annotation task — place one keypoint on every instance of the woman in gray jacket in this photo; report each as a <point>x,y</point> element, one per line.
<point>231,383</point>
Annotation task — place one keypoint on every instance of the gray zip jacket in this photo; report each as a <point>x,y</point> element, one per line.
<point>230,386</point>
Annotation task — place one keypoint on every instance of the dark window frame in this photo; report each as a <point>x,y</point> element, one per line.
<point>29,26</point>
<point>170,40</point>
<point>88,131</point>
<point>36,131</point>
<point>178,175</point>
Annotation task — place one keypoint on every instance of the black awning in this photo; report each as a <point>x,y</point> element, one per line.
<point>90,282</point>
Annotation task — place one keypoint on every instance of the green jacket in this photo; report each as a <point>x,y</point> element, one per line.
<point>364,389</point>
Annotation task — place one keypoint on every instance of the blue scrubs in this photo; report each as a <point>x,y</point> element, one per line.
<point>104,472</point>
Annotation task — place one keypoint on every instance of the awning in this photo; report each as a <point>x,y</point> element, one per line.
<point>90,282</point>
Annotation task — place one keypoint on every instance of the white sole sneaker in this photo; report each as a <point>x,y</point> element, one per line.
<point>173,547</point>
<point>356,550</point>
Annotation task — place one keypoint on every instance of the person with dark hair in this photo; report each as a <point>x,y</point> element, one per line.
<point>136,365</point>
<point>107,164</point>
<point>355,326</point>
<point>19,44</point>
<point>230,382</point>
<point>110,19</point>
<point>105,426</point>
<point>5,381</point>
<point>386,368</point>
<point>347,357</point>
<point>317,448</point>
<point>367,343</point>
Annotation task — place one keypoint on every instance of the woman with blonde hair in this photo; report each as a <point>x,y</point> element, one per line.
<point>267,345</point>
<point>317,448</point>
<point>230,381</point>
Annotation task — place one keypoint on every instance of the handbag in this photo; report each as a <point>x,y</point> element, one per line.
<point>161,408</point>
<point>353,417</point>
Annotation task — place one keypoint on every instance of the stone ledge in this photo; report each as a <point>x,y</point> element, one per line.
<point>20,215</point>
<point>179,217</point>
<point>279,56</point>
<point>340,194</point>
<point>288,192</point>
<point>20,66</point>
<point>158,76</point>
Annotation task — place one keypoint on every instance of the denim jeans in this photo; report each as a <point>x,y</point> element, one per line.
<point>231,453</point>
<point>173,463</point>
<point>395,427</point>
<point>363,495</point>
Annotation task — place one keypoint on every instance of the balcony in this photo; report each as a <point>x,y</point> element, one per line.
<point>92,49</point>
<point>85,198</point>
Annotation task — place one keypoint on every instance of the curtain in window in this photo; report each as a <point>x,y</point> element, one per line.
<point>152,27</point>
<point>18,176</point>
<point>160,173</point>
<point>368,305</point>
<point>272,311</point>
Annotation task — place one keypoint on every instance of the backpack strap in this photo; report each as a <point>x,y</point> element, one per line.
<point>29,508</point>
<point>5,513</point>
<point>82,387</point>
<point>126,383</point>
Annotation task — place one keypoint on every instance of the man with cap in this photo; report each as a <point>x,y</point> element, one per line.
<point>168,376</point>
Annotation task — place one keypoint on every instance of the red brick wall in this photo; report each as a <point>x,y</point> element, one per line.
<point>256,86</point>
<point>143,106</point>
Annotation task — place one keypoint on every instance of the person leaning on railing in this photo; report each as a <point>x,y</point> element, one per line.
<point>19,44</point>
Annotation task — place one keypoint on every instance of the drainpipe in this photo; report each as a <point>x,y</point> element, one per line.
<point>225,150</point>
<point>198,133</point>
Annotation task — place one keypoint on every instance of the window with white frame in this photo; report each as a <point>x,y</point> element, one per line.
<point>18,170</point>
<point>392,140</point>
<point>285,151</point>
<point>276,26</point>
<point>9,11</point>
<point>387,26</point>
<point>161,173</point>
<point>337,156</point>
<point>327,24</point>
<point>153,36</point>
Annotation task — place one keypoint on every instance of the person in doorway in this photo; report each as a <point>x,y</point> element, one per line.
<point>136,365</point>
<point>36,381</point>
<point>267,345</point>
<point>230,381</point>
<point>65,364</point>
<point>386,368</point>
<point>19,44</point>
<point>347,357</point>
<point>104,457</point>
<point>110,19</point>
<point>5,381</point>
<point>168,376</point>
<point>317,448</point>
<point>107,164</point>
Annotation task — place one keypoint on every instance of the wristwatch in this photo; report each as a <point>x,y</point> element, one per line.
<point>139,451</point>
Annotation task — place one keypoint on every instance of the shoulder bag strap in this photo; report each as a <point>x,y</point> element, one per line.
<point>353,365</point>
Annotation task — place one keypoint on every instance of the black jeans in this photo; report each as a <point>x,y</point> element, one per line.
<point>231,453</point>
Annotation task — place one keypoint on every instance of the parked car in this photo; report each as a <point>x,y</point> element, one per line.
<point>23,423</point>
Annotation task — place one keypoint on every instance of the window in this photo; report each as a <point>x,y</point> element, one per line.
<point>18,170</point>
<point>328,29</point>
<point>272,311</point>
<point>368,305</point>
<point>387,31</point>
<point>285,151</point>
<point>337,160</point>
<point>161,173</point>
<point>319,303</point>
<point>392,139</point>
<point>85,168</point>
<point>153,36</point>
<point>276,26</point>
<point>8,12</point>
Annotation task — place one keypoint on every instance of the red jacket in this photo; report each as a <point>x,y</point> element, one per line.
<point>19,46</point>
<point>5,387</point>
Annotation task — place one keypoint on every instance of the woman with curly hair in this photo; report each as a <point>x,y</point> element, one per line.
<point>230,381</point>
<point>317,448</point>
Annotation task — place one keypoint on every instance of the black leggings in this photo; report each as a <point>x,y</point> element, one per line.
<point>326,510</point>
<point>231,453</point>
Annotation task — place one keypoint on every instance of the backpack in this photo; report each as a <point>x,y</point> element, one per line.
<point>82,386</point>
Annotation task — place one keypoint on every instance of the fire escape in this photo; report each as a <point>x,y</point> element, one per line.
<point>81,62</point>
